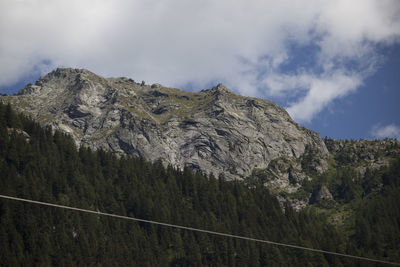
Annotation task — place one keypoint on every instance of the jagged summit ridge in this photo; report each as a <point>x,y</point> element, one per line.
<point>219,89</point>
<point>214,130</point>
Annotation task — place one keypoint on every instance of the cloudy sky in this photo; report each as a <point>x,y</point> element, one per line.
<point>334,65</point>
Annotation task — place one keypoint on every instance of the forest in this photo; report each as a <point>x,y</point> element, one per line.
<point>37,163</point>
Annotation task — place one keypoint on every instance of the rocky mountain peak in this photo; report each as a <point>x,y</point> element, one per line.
<point>61,80</point>
<point>214,130</point>
<point>218,91</point>
<point>221,89</point>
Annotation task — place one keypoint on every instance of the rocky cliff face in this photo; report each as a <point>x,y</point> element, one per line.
<point>214,130</point>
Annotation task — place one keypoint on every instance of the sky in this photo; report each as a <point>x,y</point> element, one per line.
<point>334,65</point>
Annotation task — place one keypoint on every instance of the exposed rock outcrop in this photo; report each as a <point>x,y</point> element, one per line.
<point>215,130</point>
<point>323,194</point>
<point>363,154</point>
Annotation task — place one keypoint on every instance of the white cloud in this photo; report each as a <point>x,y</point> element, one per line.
<point>389,131</point>
<point>320,92</point>
<point>241,43</point>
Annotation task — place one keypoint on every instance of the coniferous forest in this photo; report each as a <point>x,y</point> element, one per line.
<point>38,164</point>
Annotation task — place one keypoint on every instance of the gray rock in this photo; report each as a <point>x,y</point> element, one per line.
<point>324,193</point>
<point>215,130</point>
<point>12,131</point>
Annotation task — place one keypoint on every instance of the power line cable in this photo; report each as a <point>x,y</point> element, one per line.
<point>199,230</point>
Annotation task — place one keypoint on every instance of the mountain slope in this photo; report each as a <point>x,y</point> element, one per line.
<point>215,130</point>
<point>38,164</point>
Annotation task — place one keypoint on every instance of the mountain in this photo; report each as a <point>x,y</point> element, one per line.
<point>214,131</point>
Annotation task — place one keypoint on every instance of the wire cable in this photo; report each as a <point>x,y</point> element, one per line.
<point>199,230</point>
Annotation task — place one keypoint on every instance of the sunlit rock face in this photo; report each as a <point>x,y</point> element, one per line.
<point>214,131</point>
